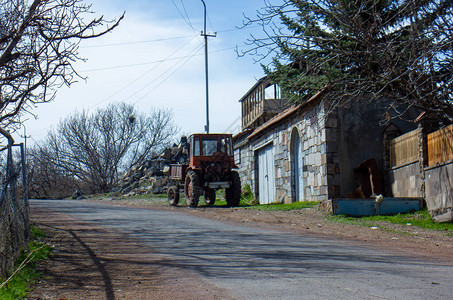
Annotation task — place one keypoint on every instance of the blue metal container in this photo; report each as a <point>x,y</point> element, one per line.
<point>375,206</point>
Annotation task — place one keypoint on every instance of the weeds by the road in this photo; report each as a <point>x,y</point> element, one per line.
<point>266,207</point>
<point>283,207</point>
<point>116,195</point>
<point>17,284</point>
<point>420,219</point>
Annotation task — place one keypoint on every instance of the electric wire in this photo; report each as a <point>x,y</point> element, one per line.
<point>187,58</point>
<point>134,65</point>
<point>168,70</point>
<point>193,53</point>
<point>151,62</point>
<point>187,15</point>
<point>171,74</point>
<point>187,20</point>
<point>145,73</point>
<point>181,60</point>
<point>160,40</point>
<point>138,42</point>
<point>210,24</point>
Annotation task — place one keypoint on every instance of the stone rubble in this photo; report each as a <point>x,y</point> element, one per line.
<point>152,175</point>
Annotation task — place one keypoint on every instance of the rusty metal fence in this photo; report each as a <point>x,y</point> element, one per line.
<point>14,209</point>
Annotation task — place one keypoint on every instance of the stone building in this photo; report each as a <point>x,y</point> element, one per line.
<point>289,153</point>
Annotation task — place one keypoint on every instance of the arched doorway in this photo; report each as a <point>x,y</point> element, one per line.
<point>297,173</point>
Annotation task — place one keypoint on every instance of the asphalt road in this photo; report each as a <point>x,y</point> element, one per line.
<point>255,263</point>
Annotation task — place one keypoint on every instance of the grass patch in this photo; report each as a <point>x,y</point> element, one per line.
<point>147,196</point>
<point>421,219</point>
<point>249,201</point>
<point>349,220</point>
<point>362,222</point>
<point>119,196</point>
<point>284,207</point>
<point>248,197</point>
<point>265,207</point>
<point>17,285</point>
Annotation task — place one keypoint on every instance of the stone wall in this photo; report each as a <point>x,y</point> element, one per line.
<point>439,188</point>
<point>405,181</point>
<point>282,165</point>
<point>332,146</point>
<point>314,133</point>
<point>318,158</point>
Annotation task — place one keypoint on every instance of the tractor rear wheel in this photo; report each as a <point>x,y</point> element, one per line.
<point>233,193</point>
<point>173,195</point>
<point>192,189</point>
<point>209,196</point>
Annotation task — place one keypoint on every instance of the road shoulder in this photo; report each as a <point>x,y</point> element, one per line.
<point>92,262</point>
<point>402,239</point>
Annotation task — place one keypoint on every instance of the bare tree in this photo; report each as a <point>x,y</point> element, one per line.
<point>47,180</point>
<point>95,148</point>
<point>39,43</point>
<point>368,49</point>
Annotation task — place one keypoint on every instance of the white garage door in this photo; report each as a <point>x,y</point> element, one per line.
<point>266,175</point>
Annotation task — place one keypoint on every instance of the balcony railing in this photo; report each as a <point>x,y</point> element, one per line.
<point>261,103</point>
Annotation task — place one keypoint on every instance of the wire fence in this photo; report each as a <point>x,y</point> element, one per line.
<point>14,209</point>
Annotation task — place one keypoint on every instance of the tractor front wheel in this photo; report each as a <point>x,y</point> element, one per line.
<point>173,195</point>
<point>192,189</point>
<point>233,193</point>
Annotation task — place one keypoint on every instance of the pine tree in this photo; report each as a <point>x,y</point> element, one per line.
<point>367,49</point>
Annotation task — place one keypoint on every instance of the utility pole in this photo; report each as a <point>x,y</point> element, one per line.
<point>205,35</point>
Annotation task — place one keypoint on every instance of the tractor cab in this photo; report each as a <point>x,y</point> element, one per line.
<point>211,148</point>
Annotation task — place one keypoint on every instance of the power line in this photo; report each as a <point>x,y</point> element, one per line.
<point>187,15</point>
<point>139,42</point>
<point>171,74</point>
<point>163,39</point>
<point>135,65</point>
<point>168,70</point>
<point>141,76</point>
<point>165,79</point>
<point>151,62</point>
<point>187,20</point>
<point>210,24</point>
<point>233,125</point>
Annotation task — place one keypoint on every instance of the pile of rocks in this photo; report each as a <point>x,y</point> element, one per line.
<point>150,176</point>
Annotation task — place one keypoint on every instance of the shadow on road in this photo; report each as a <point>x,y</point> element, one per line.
<point>108,286</point>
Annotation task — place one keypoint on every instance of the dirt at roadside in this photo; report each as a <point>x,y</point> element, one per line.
<point>85,265</point>
<point>404,239</point>
<point>92,262</point>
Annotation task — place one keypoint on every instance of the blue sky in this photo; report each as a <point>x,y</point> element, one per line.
<point>155,59</point>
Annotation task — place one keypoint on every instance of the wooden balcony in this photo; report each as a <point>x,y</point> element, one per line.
<point>261,103</point>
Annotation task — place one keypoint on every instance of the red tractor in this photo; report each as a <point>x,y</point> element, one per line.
<point>211,164</point>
